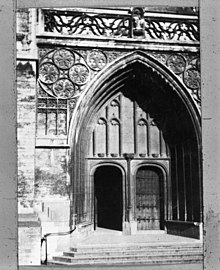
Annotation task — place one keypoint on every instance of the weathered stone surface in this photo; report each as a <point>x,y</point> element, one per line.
<point>29,235</point>
<point>51,173</point>
<point>26,128</point>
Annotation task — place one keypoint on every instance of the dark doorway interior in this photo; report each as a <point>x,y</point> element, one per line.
<point>149,199</point>
<point>108,198</point>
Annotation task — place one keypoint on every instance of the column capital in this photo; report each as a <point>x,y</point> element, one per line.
<point>128,156</point>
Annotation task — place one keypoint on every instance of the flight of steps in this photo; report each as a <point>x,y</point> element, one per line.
<point>131,254</point>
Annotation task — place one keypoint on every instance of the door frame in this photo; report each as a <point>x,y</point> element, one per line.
<point>92,179</point>
<point>166,183</point>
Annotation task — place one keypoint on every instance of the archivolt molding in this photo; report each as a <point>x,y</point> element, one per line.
<point>98,91</point>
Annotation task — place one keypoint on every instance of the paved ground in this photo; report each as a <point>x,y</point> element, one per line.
<point>106,237</point>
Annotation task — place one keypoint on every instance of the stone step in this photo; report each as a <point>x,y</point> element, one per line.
<point>134,245</point>
<point>145,261</point>
<point>102,253</point>
<point>106,248</point>
<point>129,258</point>
<point>131,253</point>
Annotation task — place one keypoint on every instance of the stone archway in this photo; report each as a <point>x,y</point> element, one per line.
<point>155,90</point>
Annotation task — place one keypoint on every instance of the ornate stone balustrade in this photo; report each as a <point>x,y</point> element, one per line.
<point>134,23</point>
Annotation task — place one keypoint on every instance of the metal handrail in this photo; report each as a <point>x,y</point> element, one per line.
<point>44,239</point>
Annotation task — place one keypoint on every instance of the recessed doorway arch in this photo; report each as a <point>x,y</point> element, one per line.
<point>168,109</point>
<point>108,197</point>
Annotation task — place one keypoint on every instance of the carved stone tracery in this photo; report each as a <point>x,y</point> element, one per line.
<point>133,23</point>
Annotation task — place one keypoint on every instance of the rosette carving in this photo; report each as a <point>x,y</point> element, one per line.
<point>64,59</point>
<point>192,78</point>
<point>48,73</point>
<point>96,60</point>
<point>79,74</point>
<point>176,63</point>
<point>64,88</point>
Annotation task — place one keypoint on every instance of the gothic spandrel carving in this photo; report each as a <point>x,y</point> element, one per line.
<point>74,68</point>
<point>186,67</point>
<point>64,73</point>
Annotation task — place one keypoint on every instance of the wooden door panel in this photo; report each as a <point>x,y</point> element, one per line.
<point>148,199</point>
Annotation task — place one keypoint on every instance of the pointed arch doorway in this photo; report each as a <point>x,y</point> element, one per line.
<point>167,109</point>
<point>108,199</point>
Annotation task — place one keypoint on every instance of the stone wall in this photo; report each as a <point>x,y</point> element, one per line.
<point>26,126</point>
<point>29,235</point>
<point>52,203</point>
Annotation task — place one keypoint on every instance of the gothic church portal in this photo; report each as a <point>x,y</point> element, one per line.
<point>134,125</point>
<point>113,121</point>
